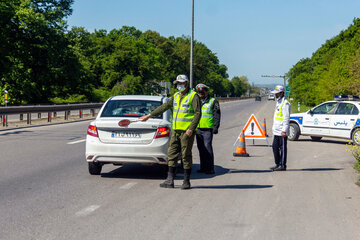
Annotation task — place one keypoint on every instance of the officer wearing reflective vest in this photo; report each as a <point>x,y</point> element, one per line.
<point>209,125</point>
<point>280,129</point>
<point>186,116</point>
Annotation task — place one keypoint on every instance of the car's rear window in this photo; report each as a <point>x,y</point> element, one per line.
<point>129,108</point>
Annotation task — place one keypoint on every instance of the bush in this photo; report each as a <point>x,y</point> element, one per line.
<point>355,150</point>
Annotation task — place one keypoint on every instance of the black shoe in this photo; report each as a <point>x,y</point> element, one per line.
<point>276,166</point>
<point>210,172</point>
<point>280,168</point>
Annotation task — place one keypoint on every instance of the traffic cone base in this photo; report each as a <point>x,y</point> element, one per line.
<point>240,150</point>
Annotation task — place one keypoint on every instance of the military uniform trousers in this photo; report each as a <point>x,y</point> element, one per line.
<point>204,139</point>
<point>180,147</point>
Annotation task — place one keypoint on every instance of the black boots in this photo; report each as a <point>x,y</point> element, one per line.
<point>169,182</point>
<point>186,183</point>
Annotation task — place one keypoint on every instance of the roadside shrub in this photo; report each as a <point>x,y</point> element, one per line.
<point>355,150</point>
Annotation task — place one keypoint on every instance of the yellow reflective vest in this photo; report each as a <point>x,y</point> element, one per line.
<point>183,112</point>
<point>207,117</point>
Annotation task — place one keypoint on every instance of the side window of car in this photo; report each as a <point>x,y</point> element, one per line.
<point>326,108</point>
<point>355,111</point>
<point>345,109</point>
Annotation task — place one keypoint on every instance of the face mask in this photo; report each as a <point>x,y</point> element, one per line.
<point>181,88</point>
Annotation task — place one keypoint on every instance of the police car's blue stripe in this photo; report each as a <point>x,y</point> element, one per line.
<point>298,119</point>
<point>357,123</point>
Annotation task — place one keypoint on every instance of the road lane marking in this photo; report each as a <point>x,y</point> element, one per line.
<point>78,141</point>
<point>128,185</point>
<point>87,211</point>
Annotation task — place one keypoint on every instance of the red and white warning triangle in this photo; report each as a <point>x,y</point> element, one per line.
<point>253,130</point>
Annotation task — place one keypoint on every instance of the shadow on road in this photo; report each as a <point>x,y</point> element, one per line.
<point>138,171</point>
<point>249,186</point>
<point>250,171</point>
<point>315,169</point>
<point>288,170</point>
<point>343,142</point>
<point>15,132</point>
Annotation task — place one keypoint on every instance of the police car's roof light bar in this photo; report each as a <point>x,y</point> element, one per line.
<point>346,98</point>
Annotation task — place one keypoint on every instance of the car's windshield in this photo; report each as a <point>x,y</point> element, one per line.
<point>129,108</point>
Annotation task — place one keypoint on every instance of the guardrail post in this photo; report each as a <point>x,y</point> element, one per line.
<point>80,113</point>
<point>4,120</point>
<point>92,112</point>
<point>39,115</point>
<point>1,117</point>
<point>49,116</point>
<point>54,114</point>
<point>66,115</point>
<point>21,117</point>
<point>28,118</point>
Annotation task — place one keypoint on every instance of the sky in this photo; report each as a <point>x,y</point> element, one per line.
<point>251,37</point>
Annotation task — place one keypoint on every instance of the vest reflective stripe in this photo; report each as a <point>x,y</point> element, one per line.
<point>183,113</point>
<point>279,115</point>
<point>207,117</point>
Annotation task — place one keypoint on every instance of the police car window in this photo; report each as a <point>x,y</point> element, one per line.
<point>326,108</point>
<point>345,108</point>
<point>355,111</point>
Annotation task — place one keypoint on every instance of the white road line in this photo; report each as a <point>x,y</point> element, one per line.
<point>78,141</point>
<point>87,211</point>
<point>128,185</point>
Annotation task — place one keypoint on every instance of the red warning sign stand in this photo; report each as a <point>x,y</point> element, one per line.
<point>253,129</point>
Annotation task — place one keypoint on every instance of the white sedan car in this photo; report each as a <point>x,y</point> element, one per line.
<point>117,137</point>
<point>339,118</point>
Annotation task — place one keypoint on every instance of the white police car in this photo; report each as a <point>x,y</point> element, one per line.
<point>339,118</point>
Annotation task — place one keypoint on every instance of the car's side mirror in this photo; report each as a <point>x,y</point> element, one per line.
<point>311,112</point>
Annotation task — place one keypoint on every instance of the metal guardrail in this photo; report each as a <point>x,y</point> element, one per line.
<point>51,110</point>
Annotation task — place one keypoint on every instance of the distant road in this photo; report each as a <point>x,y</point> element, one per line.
<point>47,193</point>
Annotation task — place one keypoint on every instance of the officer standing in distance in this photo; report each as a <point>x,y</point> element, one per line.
<point>208,125</point>
<point>186,116</point>
<point>280,129</point>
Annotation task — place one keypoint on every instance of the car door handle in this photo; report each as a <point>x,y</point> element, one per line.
<point>327,118</point>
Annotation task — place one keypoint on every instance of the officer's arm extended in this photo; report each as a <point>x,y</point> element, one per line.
<point>159,110</point>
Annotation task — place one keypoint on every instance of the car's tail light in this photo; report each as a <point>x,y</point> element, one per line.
<point>92,131</point>
<point>162,132</point>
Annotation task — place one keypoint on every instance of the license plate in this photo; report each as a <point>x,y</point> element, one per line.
<point>125,135</point>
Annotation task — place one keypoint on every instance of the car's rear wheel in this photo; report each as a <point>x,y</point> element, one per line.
<point>316,138</point>
<point>294,132</point>
<point>94,168</point>
<point>356,136</point>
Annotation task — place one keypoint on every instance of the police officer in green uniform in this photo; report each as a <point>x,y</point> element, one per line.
<point>186,116</point>
<point>208,125</point>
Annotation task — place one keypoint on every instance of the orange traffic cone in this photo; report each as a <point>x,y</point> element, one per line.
<point>263,128</point>
<point>240,150</point>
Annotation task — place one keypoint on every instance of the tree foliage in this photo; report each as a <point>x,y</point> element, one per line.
<point>41,61</point>
<point>332,69</point>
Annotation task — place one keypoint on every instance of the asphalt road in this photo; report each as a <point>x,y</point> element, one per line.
<point>47,193</point>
